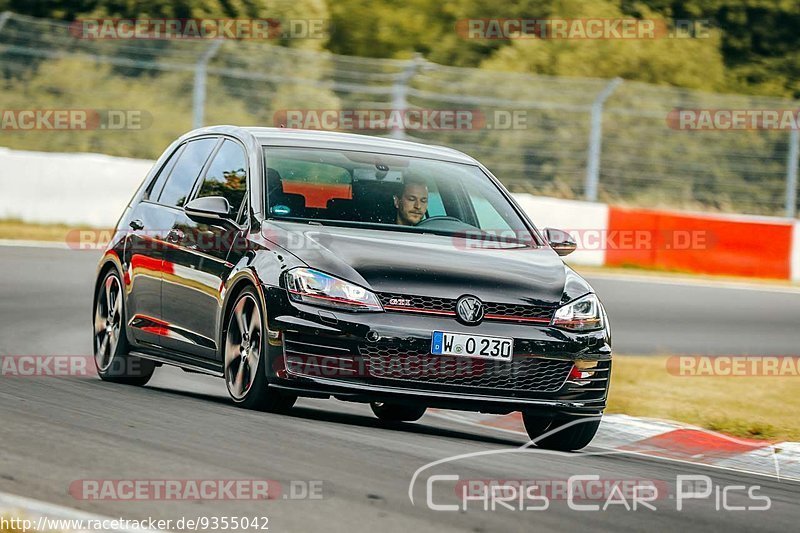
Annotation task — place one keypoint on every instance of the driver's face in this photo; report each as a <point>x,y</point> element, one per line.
<point>411,204</point>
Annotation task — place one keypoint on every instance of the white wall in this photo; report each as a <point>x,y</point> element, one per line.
<point>93,189</point>
<point>577,218</point>
<point>47,187</point>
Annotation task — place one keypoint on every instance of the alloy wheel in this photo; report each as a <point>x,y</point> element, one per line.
<point>243,347</point>
<point>107,322</point>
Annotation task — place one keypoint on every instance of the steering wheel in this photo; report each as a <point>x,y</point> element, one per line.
<point>440,218</point>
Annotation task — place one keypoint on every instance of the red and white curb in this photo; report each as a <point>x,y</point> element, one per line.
<point>666,440</point>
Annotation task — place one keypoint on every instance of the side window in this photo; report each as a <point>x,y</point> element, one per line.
<point>227,175</point>
<point>158,184</point>
<point>184,174</point>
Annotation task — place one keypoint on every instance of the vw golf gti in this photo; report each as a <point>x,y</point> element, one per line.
<point>316,264</point>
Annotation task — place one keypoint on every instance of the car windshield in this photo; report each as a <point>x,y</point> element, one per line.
<point>399,193</point>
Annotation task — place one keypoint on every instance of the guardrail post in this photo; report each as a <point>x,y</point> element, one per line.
<point>4,16</point>
<point>791,173</point>
<point>400,94</point>
<point>200,80</point>
<point>595,140</point>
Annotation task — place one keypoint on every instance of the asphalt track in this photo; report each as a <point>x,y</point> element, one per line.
<point>54,431</point>
<point>49,289</point>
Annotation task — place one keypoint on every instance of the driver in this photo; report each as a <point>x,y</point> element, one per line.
<point>412,202</point>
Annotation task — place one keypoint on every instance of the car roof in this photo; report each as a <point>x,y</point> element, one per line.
<point>288,137</point>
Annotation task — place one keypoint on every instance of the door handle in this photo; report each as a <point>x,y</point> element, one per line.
<point>136,224</point>
<point>175,236</point>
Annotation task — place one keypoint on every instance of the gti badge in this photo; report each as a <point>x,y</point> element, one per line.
<point>469,309</point>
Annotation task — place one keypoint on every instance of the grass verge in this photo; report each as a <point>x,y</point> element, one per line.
<point>750,407</point>
<point>18,230</point>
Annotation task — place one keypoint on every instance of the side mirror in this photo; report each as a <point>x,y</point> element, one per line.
<point>560,241</point>
<point>209,209</point>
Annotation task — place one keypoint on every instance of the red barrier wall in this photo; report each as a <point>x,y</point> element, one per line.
<point>702,243</point>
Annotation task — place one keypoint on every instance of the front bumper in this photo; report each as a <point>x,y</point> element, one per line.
<point>386,357</point>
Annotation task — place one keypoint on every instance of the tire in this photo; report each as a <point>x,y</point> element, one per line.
<point>390,412</point>
<point>245,348</point>
<point>568,439</point>
<point>110,343</point>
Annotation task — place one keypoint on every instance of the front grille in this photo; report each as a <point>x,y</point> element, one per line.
<point>447,306</point>
<point>519,310</point>
<point>390,363</point>
<point>387,361</point>
<point>426,303</point>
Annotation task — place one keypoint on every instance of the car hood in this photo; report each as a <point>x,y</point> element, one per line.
<point>426,264</point>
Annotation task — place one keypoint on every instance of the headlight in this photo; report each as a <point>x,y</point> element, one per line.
<point>313,287</point>
<point>583,314</point>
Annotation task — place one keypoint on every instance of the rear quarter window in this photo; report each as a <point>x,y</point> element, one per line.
<point>181,180</point>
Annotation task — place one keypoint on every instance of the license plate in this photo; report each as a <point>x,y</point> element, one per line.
<point>498,348</point>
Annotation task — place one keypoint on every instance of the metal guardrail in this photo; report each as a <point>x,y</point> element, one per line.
<point>592,139</point>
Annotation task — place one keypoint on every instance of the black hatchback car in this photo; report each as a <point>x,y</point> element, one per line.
<point>298,263</point>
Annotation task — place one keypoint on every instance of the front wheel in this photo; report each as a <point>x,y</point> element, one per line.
<point>110,344</point>
<point>572,438</point>
<point>245,353</point>
<point>390,412</point>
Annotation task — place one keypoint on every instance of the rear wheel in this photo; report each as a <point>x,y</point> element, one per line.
<point>110,342</point>
<point>245,355</point>
<point>390,412</point>
<point>572,438</point>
